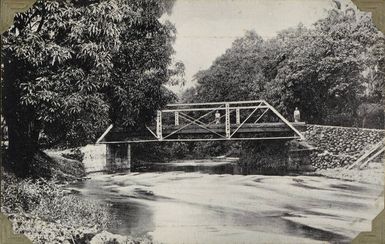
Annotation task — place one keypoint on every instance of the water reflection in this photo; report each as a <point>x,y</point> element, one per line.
<point>217,166</point>
<point>139,215</point>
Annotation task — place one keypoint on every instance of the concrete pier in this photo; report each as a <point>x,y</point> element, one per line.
<point>118,157</point>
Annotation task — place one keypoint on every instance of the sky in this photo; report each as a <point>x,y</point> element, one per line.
<point>206,28</point>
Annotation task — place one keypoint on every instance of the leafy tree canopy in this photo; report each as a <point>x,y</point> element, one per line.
<point>326,70</point>
<point>72,67</point>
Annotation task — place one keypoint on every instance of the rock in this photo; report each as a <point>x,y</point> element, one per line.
<point>107,237</point>
<point>339,146</point>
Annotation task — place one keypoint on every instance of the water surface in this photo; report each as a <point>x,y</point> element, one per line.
<point>211,201</point>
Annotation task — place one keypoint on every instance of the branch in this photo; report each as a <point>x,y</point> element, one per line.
<point>41,23</point>
<point>31,17</point>
<point>42,14</point>
<point>20,22</point>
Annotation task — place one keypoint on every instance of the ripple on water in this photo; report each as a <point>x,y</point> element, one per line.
<point>210,207</point>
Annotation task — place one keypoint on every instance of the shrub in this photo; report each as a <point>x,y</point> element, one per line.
<point>74,211</point>
<point>177,150</point>
<point>25,195</point>
<point>211,148</point>
<point>149,152</point>
<point>48,201</point>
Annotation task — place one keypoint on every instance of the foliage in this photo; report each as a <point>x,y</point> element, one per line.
<point>177,150</point>
<point>160,152</point>
<point>325,70</point>
<point>212,148</point>
<point>234,74</point>
<point>152,152</point>
<point>73,67</point>
<point>167,151</point>
<point>73,210</point>
<point>49,166</point>
<point>49,202</point>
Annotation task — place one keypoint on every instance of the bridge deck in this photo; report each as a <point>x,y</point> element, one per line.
<point>195,133</point>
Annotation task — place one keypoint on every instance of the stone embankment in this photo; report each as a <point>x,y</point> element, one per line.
<point>340,146</point>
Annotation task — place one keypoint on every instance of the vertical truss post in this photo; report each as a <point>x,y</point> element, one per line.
<point>227,121</point>
<point>176,118</point>
<point>159,125</point>
<point>238,116</point>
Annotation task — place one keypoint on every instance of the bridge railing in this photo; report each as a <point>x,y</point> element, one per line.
<point>207,116</point>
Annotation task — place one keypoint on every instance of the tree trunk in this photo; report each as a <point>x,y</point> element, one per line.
<point>23,131</point>
<point>23,145</point>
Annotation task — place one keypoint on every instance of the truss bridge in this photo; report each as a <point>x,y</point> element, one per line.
<point>239,120</point>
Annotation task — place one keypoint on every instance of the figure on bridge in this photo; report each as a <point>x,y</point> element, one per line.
<point>297,115</point>
<point>217,117</point>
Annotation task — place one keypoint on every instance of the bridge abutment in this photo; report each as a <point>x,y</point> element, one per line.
<point>299,160</point>
<point>118,157</point>
<point>275,157</point>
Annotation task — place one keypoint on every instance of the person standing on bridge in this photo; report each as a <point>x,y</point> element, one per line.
<point>297,115</point>
<point>217,117</point>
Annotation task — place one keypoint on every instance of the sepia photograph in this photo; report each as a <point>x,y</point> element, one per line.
<point>191,121</point>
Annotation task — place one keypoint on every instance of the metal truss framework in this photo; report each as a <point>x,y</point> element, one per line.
<point>198,114</point>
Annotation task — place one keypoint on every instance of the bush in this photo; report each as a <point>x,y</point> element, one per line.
<point>148,152</point>
<point>24,195</point>
<point>42,211</point>
<point>176,150</point>
<point>166,151</point>
<point>74,211</point>
<point>211,148</point>
<point>49,202</point>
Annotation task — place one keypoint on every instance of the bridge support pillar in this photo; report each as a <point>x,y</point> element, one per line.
<point>118,157</point>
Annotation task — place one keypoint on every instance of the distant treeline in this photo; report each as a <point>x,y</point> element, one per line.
<point>334,72</point>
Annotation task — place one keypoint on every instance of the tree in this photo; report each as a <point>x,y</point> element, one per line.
<point>324,73</point>
<point>322,70</point>
<point>72,67</point>
<point>234,74</point>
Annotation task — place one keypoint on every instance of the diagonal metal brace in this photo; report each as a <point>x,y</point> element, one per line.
<point>202,126</point>
<point>256,108</point>
<point>172,133</point>
<point>285,120</point>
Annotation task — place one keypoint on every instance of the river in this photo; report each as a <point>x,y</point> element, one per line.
<point>213,201</point>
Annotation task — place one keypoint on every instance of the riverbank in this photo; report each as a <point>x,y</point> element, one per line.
<point>373,173</point>
<point>41,209</point>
